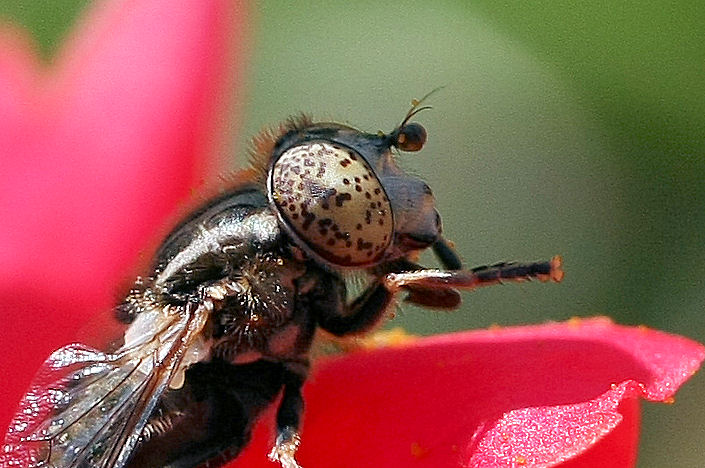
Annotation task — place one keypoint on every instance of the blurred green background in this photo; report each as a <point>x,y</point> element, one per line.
<point>564,127</point>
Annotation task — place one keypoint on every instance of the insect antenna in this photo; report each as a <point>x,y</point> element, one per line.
<point>416,106</point>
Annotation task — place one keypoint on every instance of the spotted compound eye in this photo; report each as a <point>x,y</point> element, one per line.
<point>333,202</point>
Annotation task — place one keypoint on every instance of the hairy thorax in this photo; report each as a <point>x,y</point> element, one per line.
<point>262,317</point>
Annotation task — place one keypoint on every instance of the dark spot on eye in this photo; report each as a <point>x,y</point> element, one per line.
<point>331,242</point>
<point>346,181</point>
<point>335,227</point>
<point>342,198</point>
<point>366,177</point>
<point>295,216</point>
<point>352,156</point>
<point>358,188</point>
<point>300,186</point>
<point>325,222</point>
<point>368,195</point>
<point>323,232</point>
<point>348,244</point>
<point>373,205</point>
<point>325,205</point>
<point>290,183</point>
<point>359,227</point>
<point>379,204</point>
<point>308,219</point>
<point>296,170</point>
<point>368,216</point>
<point>362,245</point>
<point>377,191</point>
<point>309,162</point>
<point>381,222</point>
<point>357,179</point>
<point>345,162</point>
<point>292,207</point>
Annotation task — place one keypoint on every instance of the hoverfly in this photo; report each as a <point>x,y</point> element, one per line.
<point>223,323</point>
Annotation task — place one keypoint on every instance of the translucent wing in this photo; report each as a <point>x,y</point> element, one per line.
<point>87,408</point>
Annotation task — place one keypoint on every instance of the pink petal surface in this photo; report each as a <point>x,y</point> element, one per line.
<point>526,396</point>
<point>98,152</point>
<point>548,435</point>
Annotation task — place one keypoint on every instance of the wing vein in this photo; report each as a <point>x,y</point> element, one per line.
<point>89,409</point>
<point>80,455</point>
<point>102,400</point>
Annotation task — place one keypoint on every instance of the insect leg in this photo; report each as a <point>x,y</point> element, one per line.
<point>446,255</point>
<point>426,288</point>
<point>289,416</point>
<point>480,276</point>
<point>340,318</point>
<point>437,298</point>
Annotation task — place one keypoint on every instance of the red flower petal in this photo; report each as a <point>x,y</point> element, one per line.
<point>101,148</point>
<point>527,396</point>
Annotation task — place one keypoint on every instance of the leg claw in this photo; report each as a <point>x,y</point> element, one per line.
<point>285,450</point>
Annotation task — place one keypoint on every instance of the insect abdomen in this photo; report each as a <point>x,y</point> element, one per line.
<point>211,415</point>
